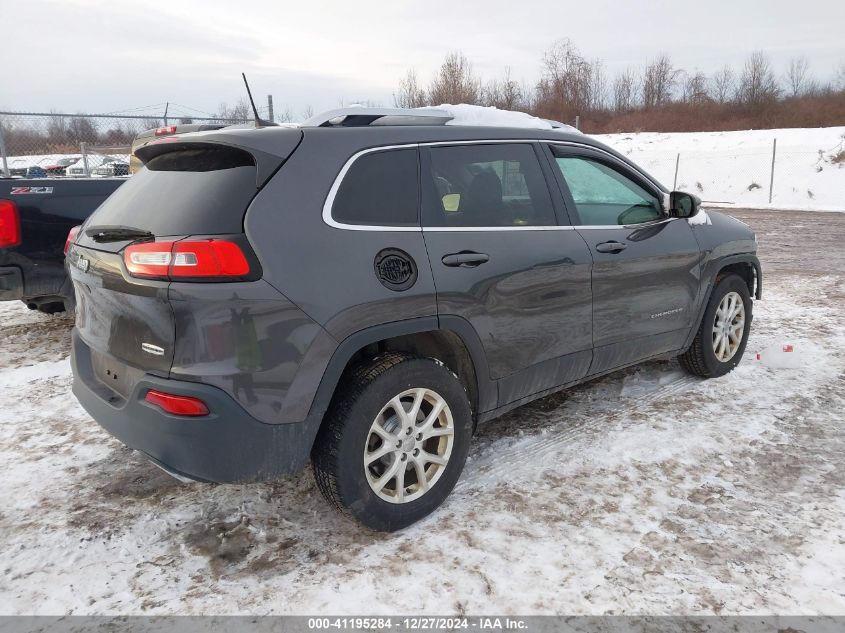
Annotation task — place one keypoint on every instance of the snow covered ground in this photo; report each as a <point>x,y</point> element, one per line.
<point>647,492</point>
<point>735,167</point>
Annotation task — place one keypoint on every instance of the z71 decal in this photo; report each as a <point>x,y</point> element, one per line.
<point>21,190</point>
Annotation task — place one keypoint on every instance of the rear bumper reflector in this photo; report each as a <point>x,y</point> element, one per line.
<point>177,405</point>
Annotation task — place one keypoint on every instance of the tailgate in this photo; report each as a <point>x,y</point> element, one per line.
<point>120,318</point>
<point>193,190</point>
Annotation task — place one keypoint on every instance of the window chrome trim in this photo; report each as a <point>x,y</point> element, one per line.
<point>330,198</point>
<point>472,229</point>
<point>329,203</point>
<point>624,226</point>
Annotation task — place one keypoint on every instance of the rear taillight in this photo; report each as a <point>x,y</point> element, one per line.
<point>209,259</point>
<point>176,405</point>
<point>164,131</point>
<point>71,237</point>
<point>10,224</point>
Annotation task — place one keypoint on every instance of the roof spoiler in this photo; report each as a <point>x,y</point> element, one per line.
<point>269,151</point>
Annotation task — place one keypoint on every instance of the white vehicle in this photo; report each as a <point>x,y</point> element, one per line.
<point>94,161</point>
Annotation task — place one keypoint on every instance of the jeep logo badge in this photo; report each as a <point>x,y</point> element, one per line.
<point>395,269</point>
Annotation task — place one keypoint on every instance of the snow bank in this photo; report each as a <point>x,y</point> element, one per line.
<point>735,168</point>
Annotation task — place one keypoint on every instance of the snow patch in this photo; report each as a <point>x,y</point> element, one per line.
<point>700,218</point>
<point>735,168</point>
<point>465,114</point>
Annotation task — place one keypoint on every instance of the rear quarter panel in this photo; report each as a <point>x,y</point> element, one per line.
<point>329,272</point>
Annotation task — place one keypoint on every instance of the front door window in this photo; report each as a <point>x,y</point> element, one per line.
<point>605,197</point>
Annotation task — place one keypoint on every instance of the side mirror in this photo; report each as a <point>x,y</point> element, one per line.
<point>683,205</point>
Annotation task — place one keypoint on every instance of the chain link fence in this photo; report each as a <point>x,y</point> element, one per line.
<point>55,145</point>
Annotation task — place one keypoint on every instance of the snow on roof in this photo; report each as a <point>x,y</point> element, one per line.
<point>466,114</point>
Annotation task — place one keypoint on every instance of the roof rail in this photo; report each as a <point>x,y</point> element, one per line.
<point>358,116</point>
<point>556,124</point>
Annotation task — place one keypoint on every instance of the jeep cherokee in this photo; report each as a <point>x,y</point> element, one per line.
<point>364,289</point>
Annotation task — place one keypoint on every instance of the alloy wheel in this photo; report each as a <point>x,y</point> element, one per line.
<point>728,327</point>
<point>409,445</point>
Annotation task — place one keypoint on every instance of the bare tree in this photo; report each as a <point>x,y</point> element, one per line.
<point>659,79</point>
<point>505,93</point>
<point>455,82</point>
<point>840,75</point>
<point>285,116</point>
<point>410,94</point>
<point>624,91</point>
<point>241,111</point>
<point>57,129</point>
<point>694,88</point>
<point>757,83</point>
<point>723,85</point>
<point>81,129</point>
<point>308,112</point>
<point>598,86</point>
<point>566,87</point>
<point>798,80</point>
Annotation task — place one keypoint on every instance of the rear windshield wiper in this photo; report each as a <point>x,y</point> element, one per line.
<point>117,233</point>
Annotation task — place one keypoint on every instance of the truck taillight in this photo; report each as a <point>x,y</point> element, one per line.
<point>207,259</point>
<point>71,237</point>
<point>164,131</point>
<point>10,224</point>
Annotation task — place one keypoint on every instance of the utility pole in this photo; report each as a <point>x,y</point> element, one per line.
<point>772,178</point>
<point>166,108</point>
<point>6,171</point>
<point>677,163</point>
<point>270,109</point>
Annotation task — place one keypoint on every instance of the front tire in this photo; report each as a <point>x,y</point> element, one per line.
<point>394,441</point>
<point>720,342</point>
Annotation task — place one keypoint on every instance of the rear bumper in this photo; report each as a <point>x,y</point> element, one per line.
<point>226,446</point>
<point>11,283</point>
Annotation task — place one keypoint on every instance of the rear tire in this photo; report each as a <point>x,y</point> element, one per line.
<point>386,468</point>
<point>717,347</point>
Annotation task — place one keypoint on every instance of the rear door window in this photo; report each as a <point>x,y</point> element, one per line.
<point>486,185</point>
<point>381,188</point>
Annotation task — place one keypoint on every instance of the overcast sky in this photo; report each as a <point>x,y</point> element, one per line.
<point>101,56</point>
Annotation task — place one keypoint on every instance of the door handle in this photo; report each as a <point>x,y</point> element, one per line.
<point>466,259</point>
<point>610,247</point>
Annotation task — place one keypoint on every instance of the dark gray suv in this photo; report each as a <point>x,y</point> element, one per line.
<point>365,289</point>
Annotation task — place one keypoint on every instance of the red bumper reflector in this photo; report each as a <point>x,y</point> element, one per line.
<point>176,405</point>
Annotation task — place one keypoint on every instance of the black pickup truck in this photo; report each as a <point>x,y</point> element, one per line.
<point>35,218</point>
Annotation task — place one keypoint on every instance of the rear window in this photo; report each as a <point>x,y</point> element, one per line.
<point>184,192</point>
<point>380,189</point>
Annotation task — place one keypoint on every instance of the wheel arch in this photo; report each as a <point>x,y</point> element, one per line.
<point>452,340</point>
<point>746,265</point>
